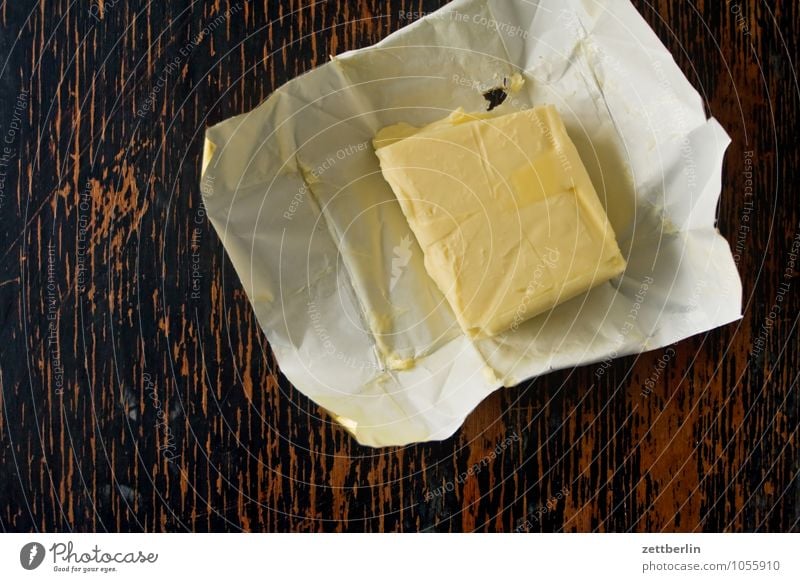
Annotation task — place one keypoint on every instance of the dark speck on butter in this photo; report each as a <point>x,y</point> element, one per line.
<point>495,97</point>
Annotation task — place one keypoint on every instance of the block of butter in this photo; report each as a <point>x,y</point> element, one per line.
<point>504,211</point>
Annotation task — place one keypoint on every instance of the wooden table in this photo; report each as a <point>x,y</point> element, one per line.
<point>130,404</point>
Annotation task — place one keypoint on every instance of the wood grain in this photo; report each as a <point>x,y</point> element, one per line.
<point>131,401</point>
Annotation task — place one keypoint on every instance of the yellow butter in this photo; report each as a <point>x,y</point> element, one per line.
<point>505,213</point>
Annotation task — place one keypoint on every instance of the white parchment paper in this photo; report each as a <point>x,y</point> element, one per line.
<point>333,271</point>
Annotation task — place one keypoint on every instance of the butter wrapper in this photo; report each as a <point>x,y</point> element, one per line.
<point>334,272</point>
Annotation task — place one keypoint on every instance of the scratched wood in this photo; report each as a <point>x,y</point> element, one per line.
<point>138,393</point>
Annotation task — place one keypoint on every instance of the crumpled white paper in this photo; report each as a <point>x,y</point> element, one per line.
<point>333,271</point>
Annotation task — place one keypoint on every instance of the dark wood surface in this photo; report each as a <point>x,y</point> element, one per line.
<point>168,413</point>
